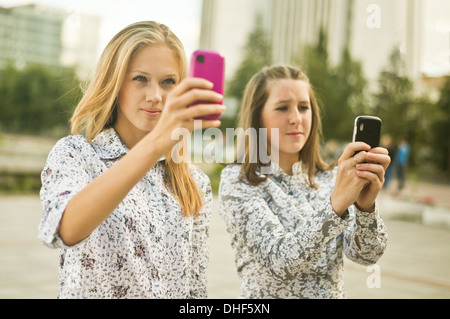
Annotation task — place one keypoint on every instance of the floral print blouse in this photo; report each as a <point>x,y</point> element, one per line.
<point>144,249</point>
<point>287,240</point>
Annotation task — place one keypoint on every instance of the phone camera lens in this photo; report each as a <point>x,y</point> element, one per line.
<point>361,127</point>
<point>200,58</point>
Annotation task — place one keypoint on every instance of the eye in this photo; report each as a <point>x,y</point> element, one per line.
<point>169,81</point>
<point>303,108</point>
<point>281,108</point>
<point>140,78</point>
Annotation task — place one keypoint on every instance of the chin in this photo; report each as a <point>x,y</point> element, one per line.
<point>146,126</point>
<point>293,149</point>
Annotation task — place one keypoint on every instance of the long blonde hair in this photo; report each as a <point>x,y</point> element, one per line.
<point>255,97</point>
<point>97,109</point>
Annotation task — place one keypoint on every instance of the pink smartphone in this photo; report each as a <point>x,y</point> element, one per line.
<point>209,65</point>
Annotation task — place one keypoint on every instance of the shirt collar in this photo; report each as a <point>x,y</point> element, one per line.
<point>108,145</point>
<point>276,171</point>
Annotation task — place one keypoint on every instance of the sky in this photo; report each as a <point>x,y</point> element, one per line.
<point>183,17</point>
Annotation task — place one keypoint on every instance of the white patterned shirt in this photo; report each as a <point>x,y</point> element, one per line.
<point>287,240</point>
<point>144,249</point>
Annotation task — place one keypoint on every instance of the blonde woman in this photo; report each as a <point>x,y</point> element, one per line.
<point>130,221</point>
<point>292,220</point>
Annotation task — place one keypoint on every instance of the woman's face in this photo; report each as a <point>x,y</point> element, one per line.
<point>288,108</point>
<point>151,74</point>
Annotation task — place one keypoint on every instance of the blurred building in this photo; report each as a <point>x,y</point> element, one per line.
<point>226,24</point>
<point>370,28</point>
<point>35,34</point>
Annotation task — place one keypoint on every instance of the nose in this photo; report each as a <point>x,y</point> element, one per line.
<point>294,116</point>
<point>153,93</point>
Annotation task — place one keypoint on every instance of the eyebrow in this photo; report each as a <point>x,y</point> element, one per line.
<point>146,73</point>
<point>290,100</point>
<point>140,71</point>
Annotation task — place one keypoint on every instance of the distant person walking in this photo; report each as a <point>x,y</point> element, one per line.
<point>401,162</point>
<point>387,143</point>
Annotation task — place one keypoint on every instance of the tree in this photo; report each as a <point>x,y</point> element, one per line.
<point>257,54</point>
<point>340,89</point>
<point>37,99</point>
<point>350,86</point>
<point>441,129</point>
<point>394,97</point>
<point>404,114</point>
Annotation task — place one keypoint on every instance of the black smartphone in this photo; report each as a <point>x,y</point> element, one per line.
<point>367,129</point>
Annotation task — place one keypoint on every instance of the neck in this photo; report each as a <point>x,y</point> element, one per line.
<point>286,162</point>
<point>129,137</point>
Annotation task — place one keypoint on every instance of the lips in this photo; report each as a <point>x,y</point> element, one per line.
<point>294,133</point>
<point>152,112</point>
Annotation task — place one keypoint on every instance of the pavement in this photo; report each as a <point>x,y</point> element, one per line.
<point>414,266</point>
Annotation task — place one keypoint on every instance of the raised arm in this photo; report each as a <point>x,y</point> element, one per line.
<point>95,202</point>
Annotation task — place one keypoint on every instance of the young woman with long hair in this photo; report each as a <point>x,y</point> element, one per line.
<point>130,220</point>
<point>291,220</point>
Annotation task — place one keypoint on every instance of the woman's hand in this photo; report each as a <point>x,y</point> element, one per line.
<point>177,115</point>
<point>371,169</point>
<point>348,184</point>
<point>360,177</point>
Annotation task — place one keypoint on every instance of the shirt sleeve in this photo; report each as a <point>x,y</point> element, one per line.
<point>200,258</point>
<point>64,174</point>
<point>372,236</point>
<point>285,254</point>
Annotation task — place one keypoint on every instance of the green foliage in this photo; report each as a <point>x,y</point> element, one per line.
<point>441,129</point>
<point>340,89</point>
<point>37,99</point>
<point>257,54</point>
<point>394,97</point>
<point>404,113</point>
<point>19,182</point>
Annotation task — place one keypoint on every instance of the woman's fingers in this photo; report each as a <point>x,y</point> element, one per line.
<point>192,97</point>
<point>379,157</point>
<point>369,170</point>
<point>353,148</point>
<point>195,95</point>
<point>198,110</point>
<point>359,152</point>
<point>192,90</point>
<point>210,123</point>
<point>360,157</point>
<point>379,150</point>
<point>194,100</point>
<point>190,83</point>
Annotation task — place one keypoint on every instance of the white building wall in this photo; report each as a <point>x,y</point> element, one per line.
<point>373,40</point>
<point>226,25</point>
<point>48,36</point>
<point>292,24</point>
<point>80,38</point>
<point>33,34</point>
<point>296,23</point>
